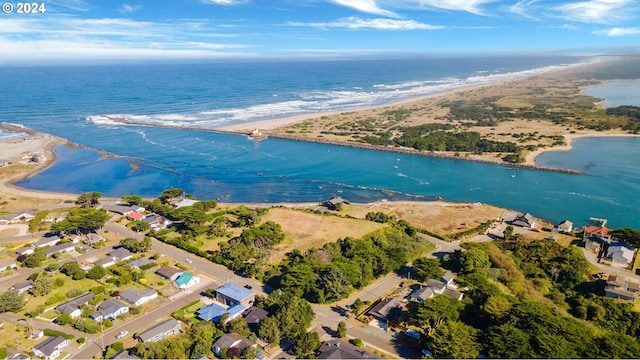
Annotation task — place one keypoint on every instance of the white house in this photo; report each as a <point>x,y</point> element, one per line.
<point>50,348</point>
<point>137,298</point>
<point>186,281</point>
<point>109,309</point>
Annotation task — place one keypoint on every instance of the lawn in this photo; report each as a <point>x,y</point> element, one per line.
<point>308,230</point>
<point>188,313</point>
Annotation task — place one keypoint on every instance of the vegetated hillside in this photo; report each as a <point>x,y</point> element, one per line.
<point>527,300</point>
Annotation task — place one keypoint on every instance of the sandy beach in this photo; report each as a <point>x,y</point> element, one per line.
<point>567,83</point>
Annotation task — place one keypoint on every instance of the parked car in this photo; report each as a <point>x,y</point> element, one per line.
<point>247,286</point>
<point>188,261</point>
<point>122,334</point>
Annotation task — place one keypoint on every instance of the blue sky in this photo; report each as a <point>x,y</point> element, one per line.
<point>72,31</point>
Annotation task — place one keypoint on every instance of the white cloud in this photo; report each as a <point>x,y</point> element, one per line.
<point>375,24</point>
<point>596,11</point>
<point>524,8</point>
<point>367,6</point>
<point>471,6</point>
<point>619,31</point>
<point>126,8</point>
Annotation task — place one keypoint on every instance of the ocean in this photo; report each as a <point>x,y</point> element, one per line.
<point>72,102</point>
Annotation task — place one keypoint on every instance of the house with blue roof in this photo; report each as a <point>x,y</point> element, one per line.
<point>231,294</point>
<point>214,311</point>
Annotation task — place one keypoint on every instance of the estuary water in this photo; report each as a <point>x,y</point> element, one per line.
<point>71,102</point>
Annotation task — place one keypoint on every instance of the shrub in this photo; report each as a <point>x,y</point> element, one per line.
<point>51,332</point>
<point>81,340</point>
<point>357,342</point>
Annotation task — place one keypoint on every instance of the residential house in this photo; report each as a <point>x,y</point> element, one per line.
<point>185,202</point>
<point>455,294</point>
<point>137,298</point>
<point>621,254</point>
<point>93,238</point>
<point>340,349</point>
<point>333,203</point>
<point>565,226</point>
<point>160,331</point>
<point>253,316</point>
<point>124,209</point>
<point>109,309</point>
<point>22,287</point>
<point>136,264</point>
<point>232,341</point>
<point>185,281</point>
<point>125,355</point>
<point>27,250</point>
<point>16,218</point>
<point>105,262</point>
<point>437,286</point>
<point>447,278</point>
<point>214,311</point>
<point>7,264</point>
<point>156,221</point>
<point>72,307</point>
<point>387,308</point>
<point>421,294</point>
<point>231,294</point>
<point>121,254</point>
<point>50,347</point>
<point>169,273</point>
<point>621,288</point>
<point>46,241</point>
<point>525,220</point>
<point>135,216</point>
<point>60,248</point>
<point>599,232</point>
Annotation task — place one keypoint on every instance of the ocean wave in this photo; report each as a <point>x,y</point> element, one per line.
<point>318,101</point>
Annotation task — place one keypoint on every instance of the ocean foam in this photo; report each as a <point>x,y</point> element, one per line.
<point>317,101</point>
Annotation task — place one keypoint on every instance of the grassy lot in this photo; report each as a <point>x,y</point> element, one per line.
<point>307,230</point>
<point>437,216</point>
<point>188,313</point>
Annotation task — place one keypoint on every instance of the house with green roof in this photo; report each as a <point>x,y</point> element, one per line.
<point>185,281</point>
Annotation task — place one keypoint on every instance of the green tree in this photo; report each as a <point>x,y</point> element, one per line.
<point>508,232</point>
<point>133,199</point>
<point>87,325</point>
<point>64,319</point>
<point>113,349</point>
<point>35,260</point>
<point>89,199</point>
<point>269,330</point>
<point>170,194</point>
<point>81,220</point>
<point>507,342</point>
<point>435,311</point>
<point>474,259</point>
<point>427,268</point>
<point>96,272</point>
<point>342,329</point>
<point>456,340</point>
<point>334,283</point>
<point>42,286</point>
<point>497,306</point>
<point>11,301</point>
<point>306,344</point>
<point>239,326</point>
<point>202,335</point>
<point>139,226</point>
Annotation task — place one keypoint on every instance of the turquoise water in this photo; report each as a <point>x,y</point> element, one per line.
<point>617,93</point>
<point>69,102</point>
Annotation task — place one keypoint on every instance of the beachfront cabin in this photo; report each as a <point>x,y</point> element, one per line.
<point>620,288</point>
<point>565,226</point>
<point>621,254</point>
<point>525,220</point>
<point>334,203</point>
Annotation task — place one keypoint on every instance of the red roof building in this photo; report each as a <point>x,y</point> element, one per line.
<point>135,216</point>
